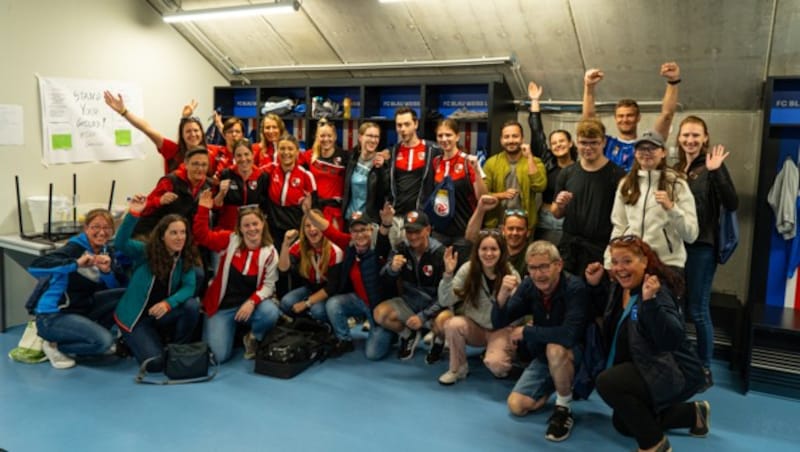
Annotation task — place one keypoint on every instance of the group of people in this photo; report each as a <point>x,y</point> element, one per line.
<point>519,256</point>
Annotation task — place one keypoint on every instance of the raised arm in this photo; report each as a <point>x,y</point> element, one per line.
<point>118,105</point>
<point>590,79</point>
<point>538,137</point>
<point>475,223</point>
<point>669,104</point>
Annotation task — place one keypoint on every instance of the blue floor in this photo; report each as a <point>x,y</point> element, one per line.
<point>346,404</point>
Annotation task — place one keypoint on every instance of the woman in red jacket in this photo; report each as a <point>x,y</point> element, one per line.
<point>240,185</point>
<point>243,288</point>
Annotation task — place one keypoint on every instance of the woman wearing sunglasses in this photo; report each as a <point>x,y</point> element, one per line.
<point>652,368</point>
<point>654,202</point>
<point>243,287</point>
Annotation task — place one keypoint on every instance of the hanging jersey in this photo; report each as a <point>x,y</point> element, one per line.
<point>620,152</point>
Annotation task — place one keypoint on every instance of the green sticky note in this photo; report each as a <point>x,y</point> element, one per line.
<point>61,141</point>
<point>122,137</point>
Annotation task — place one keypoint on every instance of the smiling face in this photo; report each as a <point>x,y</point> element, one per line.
<point>544,272</point>
<point>692,138</point>
<point>649,155</point>
<point>361,235</point>
<point>591,149</point>
<point>197,167</point>
<point>511,139</point>
<point>99,231</point>
<point>560,144</point>
<point>270,130</point>
<point>174,237</point>
<point>243,157</point>
<point>287,154</point>
<point>369,140</point>
<point>515,231</point>
<point>326,137</point>
<point>251,229</point>
<point>627,267</point>
<point>418,239</point>
<point>489,252</point>
<point>447,139</point>
<point>312,234</point>
<point>192,134</point>
<point>233,134</point>
<point>626,118</point>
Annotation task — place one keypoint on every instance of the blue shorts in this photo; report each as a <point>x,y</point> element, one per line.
<point>536,382</point>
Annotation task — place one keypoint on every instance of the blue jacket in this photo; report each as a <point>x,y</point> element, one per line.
<point>564,324</point>
<point>658,345</point>
<point>69,285</point>
<point>181,285</point>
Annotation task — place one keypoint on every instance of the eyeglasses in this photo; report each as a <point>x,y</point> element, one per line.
<point>516,213</point>
<point>542,268</point>
<point>248,206</point>
<point>359,231</point>
<point>198,164</point>
<point>96,228</point>
<point>593,143</point>
<point>647,149</point>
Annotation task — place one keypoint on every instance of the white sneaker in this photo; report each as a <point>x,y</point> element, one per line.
<point>428,339</point>
<point>448,378</point>
<point>57,359</point>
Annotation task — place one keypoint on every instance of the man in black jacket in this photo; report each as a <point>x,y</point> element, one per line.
<point>557,302</point>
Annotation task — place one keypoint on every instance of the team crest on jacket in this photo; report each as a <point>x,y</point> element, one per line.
<point>252,184</point>
<point>427,270</point>
<point>295,182</point>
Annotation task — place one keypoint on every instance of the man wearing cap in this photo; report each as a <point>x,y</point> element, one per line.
<point>654,202</point>
<point>415,268</point>
<point>359,290</point>
<point>410,169</point>
<point>619,149</point>
<point>177,192</point>
<point>514,177</point>
<point>584,198</point>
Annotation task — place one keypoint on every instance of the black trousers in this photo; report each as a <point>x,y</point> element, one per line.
<point>625,391</point>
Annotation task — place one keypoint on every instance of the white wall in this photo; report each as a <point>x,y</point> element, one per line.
<point>91,39</point>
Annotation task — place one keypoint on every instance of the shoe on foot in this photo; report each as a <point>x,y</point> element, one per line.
<point>250,346</point>
<point>435,353</point>
<point>57,359</point>
<point>709,380</point>
<point>448,378</point>
<point>703,410</point>
<point>365,326</point>
<point>428,338</point>
<point>408,345</point>
<point>342,346</point>
<point>559,425</point>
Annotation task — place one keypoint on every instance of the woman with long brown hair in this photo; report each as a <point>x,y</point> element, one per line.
<point>476,284</point>
<point>159,301</point>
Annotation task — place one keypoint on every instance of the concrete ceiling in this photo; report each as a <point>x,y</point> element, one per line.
<point>725,48</point>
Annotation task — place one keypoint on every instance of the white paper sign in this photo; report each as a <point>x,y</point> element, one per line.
<point>78,126</point>
<point>11,126</point>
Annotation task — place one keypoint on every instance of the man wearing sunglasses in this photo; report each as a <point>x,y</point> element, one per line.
<point>514,229</point>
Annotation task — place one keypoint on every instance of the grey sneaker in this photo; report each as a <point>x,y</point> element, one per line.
<point>703,413</point>
<point>250,346</point>
<point>448,378</point>
<point>57,359</point>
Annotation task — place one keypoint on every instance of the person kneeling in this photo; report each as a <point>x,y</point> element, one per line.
<point>558,303</point>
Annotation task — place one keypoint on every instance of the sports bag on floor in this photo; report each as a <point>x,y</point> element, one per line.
<point>183,363</point>
<point>290,349</point>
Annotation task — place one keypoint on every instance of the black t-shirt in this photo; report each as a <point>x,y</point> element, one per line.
<point>549,193</point>
<point>239,288</point>
<point>588,215</point>
<point>158,293</point>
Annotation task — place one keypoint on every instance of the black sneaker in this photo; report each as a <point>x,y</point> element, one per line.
<point>435,353</point>
<point>709,380</point>
<point>703,413</point>
<point>559,425</point>
<point>342,347</point>
<point>408,345</point>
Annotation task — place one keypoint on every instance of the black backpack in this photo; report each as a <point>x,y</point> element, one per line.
<point>290,349</point>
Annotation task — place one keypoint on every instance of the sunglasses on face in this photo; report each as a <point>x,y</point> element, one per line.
<point>491,232</point>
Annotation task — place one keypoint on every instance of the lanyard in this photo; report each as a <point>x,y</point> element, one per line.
<point>631,303</point>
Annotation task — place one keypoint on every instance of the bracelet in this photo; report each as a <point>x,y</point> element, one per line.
<point>308,304</point>
<point>387,226</point>
<point>673,82</point>
<point>123,112</point>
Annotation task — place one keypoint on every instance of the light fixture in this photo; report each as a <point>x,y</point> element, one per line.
<point>195,15</point>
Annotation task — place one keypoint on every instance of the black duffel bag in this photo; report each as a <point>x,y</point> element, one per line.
<point>183,363</point>
<point>290,349</point>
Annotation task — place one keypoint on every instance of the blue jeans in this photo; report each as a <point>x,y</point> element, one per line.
<point>340,307</point>
<point>219,329</point>
<point>83,331</point>
<point>317,310</point>
<point>701,264</point>
<point>177,325</point>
